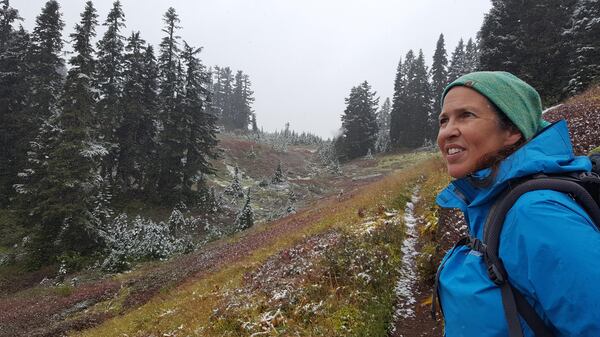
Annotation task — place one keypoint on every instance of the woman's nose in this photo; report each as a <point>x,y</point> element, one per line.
<point>450,129</point>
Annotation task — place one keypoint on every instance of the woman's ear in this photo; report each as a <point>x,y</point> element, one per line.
<point>512,137</point>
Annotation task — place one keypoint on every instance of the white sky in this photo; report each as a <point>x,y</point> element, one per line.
<point>302,56</point>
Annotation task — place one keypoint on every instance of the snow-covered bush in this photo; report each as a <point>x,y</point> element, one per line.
<point>140,238</point>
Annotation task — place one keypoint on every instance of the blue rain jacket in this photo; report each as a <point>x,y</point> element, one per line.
<point>549,246</point>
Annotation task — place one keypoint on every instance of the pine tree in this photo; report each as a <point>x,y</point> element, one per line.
<point>471,56</point>
<point>235,188</point>
<point>359,121</point>
<point>398,117</point>
<point>224,98</point>
<point>524,38</point>
<point>418,103</point>
<point>110,85</point>
<point>584,57</point>
<point>150,101</point>
<point>201,124</point>
<point>248,99</point>
<point>63,194</point>
<point>46,65</point>
<point>170,184</point>
<point>439,80</point>
<point>383,123</point>
<point>500,36</point>
<point>136,133</point>
<point>278,177</point>
<point>458,62</point>
<point>245,218</point>
<point>238,119</point>
<point>13,93</point>
<point>254,125</point>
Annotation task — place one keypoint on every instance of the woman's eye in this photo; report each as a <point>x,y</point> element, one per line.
<point>468,114</point>
<point>443,121</point>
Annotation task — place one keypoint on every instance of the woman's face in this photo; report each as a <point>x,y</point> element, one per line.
<point>470,131</point>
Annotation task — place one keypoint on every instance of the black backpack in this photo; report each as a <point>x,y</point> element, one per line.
<point>583,187</point>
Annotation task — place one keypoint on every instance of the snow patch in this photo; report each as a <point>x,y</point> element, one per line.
<point>405,286</point>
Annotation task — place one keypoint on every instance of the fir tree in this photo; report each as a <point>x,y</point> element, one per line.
<point>458,62</point>
<point>584,57</point>
<point>63,194</point>
<point>471,56</point>
<point>238,119</point>
<point>278,176</point>
<point>200,124</point>
<point>235,188</point>
<point>150,101</point>
<point>418,103</point>
<point>14,91</point>
<point>170,184</point>
<point>46,78</point>
<point>110,85</point>
<point>359,121</point>
<point>383,123</point>
<point>398,114</point>
<point>439,80</point>
<point>136,133</point>
<point>223,97</point>
<point>524,38</point>
<point>245,218</point>
<point>499,36</point>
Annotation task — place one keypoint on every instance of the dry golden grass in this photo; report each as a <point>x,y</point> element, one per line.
<point>187,309</point>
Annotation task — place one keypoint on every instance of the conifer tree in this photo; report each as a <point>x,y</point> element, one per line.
<point>46,79</point>
<point>499,36</point>
<point>248,98</point>
<point>14,91</point>
<point>383,123</point>
<point>110,85</point>
<point>238,118</point>
<point>418,103</point>
<point>151,171</point>
<point>584,56</point>
<point>245,218</point>
<point>200,124</point>
<point>278,177</point>
<point>439,80</point>
<point>136,133</point>
<point>458,62</point>
<point>223,94</point>
<point>359,121</point>
<point>63,195</point>
<point>471,56</point>
<point>524,38</point>
<point>397,115</point>
<point>170,184</point>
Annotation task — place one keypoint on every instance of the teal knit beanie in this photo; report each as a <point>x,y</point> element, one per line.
<point>516,99</point>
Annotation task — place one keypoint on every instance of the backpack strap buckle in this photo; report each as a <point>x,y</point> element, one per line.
<point>495,274</point>
<point>589,177</point>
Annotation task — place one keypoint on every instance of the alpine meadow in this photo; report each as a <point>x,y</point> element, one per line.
<point>144,190</point>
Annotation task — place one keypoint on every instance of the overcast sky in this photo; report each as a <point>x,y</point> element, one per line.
<point>302,56</point>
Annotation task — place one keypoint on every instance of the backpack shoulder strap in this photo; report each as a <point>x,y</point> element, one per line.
<point>513,301</point>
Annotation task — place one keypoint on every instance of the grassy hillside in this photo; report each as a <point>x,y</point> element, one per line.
<point>333,276</point>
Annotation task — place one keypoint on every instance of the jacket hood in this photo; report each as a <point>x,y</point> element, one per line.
<point>550,152</point>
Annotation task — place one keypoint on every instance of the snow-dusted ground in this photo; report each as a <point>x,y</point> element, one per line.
<point>408,274</point>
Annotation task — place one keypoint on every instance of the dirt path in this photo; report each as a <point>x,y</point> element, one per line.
<point>411,317</point>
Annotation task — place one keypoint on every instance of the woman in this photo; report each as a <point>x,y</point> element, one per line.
<point>491,132</point>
